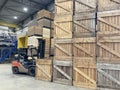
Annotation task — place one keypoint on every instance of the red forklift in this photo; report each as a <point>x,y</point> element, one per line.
<point>25,63</point>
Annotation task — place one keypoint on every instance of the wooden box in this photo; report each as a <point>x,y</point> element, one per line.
<point>108,22</point>
<point>35,30</point>
<point>84,48</point>
<point>62,72</point>
<point>44,69</point>
<point>108,75</point>
<point>63,7</point>
<point>84,73</point>
<point>84,62</point>
<point>63,49</point>
<point>44,14</point>
<point>85,6</point>
<point>45,22</point>
<point>108,5</point>
<point>84,25</point>
<point>108,49</point>
<point>63,26</point>
<point>108,36</point>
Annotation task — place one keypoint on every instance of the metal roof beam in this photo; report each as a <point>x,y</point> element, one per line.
<point>3,5</point>
<point>36,2</point>
<point>29,4</point>
<point>14,10</point>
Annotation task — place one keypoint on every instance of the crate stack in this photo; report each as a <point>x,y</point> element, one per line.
<point>63,26</point>
<point>44,66</point>
<point>84,44</point>
<point>108,44</point>
<point>45,21</point>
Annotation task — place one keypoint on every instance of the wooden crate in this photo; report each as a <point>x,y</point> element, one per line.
<point>84,62</point>
<point>84,25</point>
<point>44,14</point>
<point>108,49</point>
<point>62,72</point>
<point>44,69</point>
<point>108,5</point>
<point>108,22</point>
<point>108,39</point>
<point>63,26</point>
<point>63,49</point>
<point>108,75</point>
<point>44,22</point>
<point>63,7</point>
<point>35,30</point>
<point>85,6</point>
<point>84,73</point>
<point>84,47</point>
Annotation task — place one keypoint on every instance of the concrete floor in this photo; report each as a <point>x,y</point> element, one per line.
<point>9,81</point>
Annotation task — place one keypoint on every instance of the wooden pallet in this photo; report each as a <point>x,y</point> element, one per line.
<point>109,75</point>
<point>63,49</point>
<point>44,69</point>
<point>63,26</point>
<point>84,25</point>
<point>62,72</point>
<point>108,5</point>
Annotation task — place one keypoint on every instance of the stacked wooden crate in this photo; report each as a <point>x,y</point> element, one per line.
<point>44,66</point>
<point>45,20</point>
<point>108,43</point>
<point>84,44</point>
<point>62,63</point>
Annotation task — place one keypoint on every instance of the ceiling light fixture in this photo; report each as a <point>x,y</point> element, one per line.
<point>15,17</point>
<point>25,9</point>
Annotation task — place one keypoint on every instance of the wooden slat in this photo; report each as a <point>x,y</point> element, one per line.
<point>108,66</point>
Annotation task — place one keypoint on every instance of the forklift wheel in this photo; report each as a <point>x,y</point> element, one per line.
<point>31,71</point>
<point>15,70</point>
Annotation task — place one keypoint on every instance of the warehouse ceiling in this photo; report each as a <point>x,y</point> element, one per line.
<point>15,11</point>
